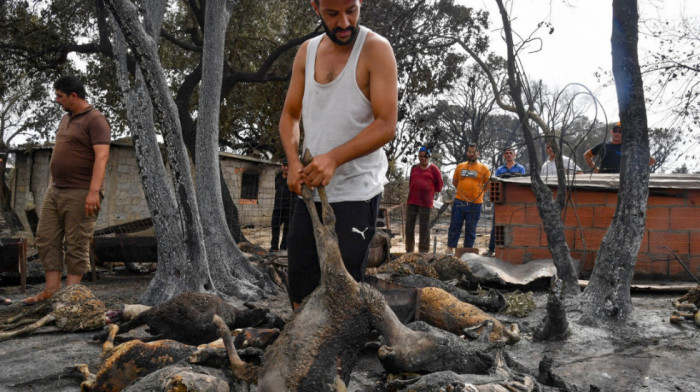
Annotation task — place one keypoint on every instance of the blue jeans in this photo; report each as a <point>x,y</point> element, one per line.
<point>468,213</point>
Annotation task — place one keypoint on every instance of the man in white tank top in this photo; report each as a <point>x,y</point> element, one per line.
<point>344,90</point>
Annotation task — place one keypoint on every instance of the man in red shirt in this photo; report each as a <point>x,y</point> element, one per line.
<point>425,181</point>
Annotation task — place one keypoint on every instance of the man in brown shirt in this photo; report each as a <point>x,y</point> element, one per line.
<point>72,200</point>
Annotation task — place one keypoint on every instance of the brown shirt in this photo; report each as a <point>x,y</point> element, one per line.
<point>73,155</point>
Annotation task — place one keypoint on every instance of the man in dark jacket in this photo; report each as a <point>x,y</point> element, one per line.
<point>282,210</point>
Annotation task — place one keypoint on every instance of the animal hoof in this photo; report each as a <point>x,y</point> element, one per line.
<point>43,296</point>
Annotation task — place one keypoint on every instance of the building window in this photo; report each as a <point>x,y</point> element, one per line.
<point>249,186</point>
<point>500,234</point>
<point>496,192</point>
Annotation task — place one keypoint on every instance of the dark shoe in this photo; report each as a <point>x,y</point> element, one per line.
<point>489,253</point>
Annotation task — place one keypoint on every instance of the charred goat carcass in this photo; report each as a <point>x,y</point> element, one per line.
<point>319,347</point>
<point>73,308</point>
<point>188,317</point>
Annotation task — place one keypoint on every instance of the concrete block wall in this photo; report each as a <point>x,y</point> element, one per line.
<point>28,187</point>
<point>124,200</point>
<point>256,212</point>
<point>673,222</point>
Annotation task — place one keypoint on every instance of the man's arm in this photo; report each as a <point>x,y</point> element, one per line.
<point>438,182</point>
<point>588,156</point>
<point>652,161</point>
<point>486,178</point>
<point>92,201</point>
<point>383,96</point>
<point>289,120</point>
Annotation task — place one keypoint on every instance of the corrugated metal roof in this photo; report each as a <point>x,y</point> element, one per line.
<point>612,181</point>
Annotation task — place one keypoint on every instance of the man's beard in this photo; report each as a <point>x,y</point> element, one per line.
<point>471,159</point>
<point>331,34</point>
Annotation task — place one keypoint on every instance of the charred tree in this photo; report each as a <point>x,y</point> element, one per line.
<point>554,326</point>
<point>182,260</point>
<point>225,259</point>
<point>548,208</point>
<point>608,293</point>
<point>177,216</point>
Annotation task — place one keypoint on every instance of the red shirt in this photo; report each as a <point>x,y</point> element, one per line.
<point>423,184</point>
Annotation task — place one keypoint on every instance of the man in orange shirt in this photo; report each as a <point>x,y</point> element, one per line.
<point>470,180</point>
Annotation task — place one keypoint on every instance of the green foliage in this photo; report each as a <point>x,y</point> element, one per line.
<point>422,34</point>
<point>44,40</point>
<point>41,41</point>
<point>519,304</point>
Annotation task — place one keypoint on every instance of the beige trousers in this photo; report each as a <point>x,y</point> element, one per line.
<point>64,231</point>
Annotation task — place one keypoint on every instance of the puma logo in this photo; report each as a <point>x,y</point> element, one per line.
<point>362,233</point>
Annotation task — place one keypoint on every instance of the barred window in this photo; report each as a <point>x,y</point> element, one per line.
<point>249,186</point>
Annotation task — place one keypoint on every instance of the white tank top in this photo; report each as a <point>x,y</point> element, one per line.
<point>334,113</point>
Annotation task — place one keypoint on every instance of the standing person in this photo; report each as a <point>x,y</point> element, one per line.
<point>72,200</point>
<point>609,153</point>
<point>470,180</point>
<point>282,210</point>
<point>344,88</point>
<point>509,169</point>
<point>549,167</point>
<point>424,183</point>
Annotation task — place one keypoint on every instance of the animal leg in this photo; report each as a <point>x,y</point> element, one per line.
<point>49,318</point>
<point>83,371</point>
<point>18,324</point>
<point>108,345</point>
<point>327,211</point>
<point>136,321</point>
<point>43,307</point>
<point>240,369</point>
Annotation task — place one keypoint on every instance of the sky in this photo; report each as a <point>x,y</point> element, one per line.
<point>580,44</point>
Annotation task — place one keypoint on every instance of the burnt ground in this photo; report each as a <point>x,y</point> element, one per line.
<point>645,354</point>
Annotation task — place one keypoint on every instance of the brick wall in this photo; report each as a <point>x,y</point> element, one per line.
<point>673,221</point>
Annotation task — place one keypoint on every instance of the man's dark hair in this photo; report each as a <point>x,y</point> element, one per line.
<point>473,145</point>
<point>509,149</point>
<point>69,85</point>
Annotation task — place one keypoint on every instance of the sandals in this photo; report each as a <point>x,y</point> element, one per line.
<point>43,296</point>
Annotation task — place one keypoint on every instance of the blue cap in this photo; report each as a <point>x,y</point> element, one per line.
<point>424,149</point>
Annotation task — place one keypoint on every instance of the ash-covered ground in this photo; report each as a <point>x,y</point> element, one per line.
<point>645,354</point>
